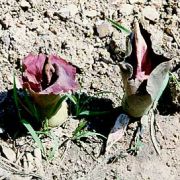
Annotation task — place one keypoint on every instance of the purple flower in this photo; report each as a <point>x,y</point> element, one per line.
<point>48,75</point>
<point>47,78</point>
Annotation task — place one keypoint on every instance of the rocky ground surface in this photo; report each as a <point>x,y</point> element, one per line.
<point>79,32</point>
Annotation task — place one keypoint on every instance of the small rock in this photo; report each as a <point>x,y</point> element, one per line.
<point>116,2</point>
<point>8,20</point>
<point>33,2</point>
<point>90,13</point>
<point>9,153</point>
<point>136,1</point>
<point>104,54</point>
<point>68,11</point>
<point>150,13</point>
<point>126,9</point>
<point>4,173</point>
<point>178,12</point>
<point>37,154</point>
<point>104,29</point>
<point>157,3</point>
<point>49,13</point>
<point>30,160</point>
<point>5,38</point>
<point>2,130</point>
<point>25,4</point>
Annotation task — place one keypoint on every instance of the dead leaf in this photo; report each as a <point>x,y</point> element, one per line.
<point>117,131</point>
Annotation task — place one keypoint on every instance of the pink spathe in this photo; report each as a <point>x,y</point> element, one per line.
<point>33,74</point>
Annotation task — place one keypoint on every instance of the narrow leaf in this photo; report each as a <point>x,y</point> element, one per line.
<point>31,106</point>
<point>53,111</point>
<point>33,134</point>
<point>119,26</point>
<point>72,98</point>
<point>81,126</point>
<point>93,113</point>
<point>55,146</point>
<point>15,96</point>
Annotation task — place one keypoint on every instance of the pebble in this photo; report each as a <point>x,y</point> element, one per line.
<point>8,20</point>
<point>90,13</point>
<point>126,9</point>
<point>116,2</point>
<point>150,13</point>
<point>157,3</point>
<point>136,1</point>
<point>25,4</point>
<point>103,29</point>
<point>49,13</point>
<point>9,153</point>
<point>68,11</point>
<point>104,54</point>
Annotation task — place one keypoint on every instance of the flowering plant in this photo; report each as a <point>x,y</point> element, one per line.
<point>47,78</point>
<point>144,73</point>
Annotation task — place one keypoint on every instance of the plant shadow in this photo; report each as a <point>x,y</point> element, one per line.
<point>166,105</point>
<point>100,122</point>
<point>9,117</point>
<point>102,115</point>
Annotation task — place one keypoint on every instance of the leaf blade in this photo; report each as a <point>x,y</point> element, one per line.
<point>33,134</point>
<point>119,26</point>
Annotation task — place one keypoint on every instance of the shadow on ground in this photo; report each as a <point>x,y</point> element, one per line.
<point>10,119</point>
<point>102,114</point>
<point>101,118</point>
<point>101,122</point>
<point>166,106</point>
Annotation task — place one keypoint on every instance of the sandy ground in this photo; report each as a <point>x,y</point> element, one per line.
<point>77,31</point>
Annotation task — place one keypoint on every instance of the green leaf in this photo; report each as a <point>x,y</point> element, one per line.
<point>31,106</point>
<point>119,26</point>
<point>54,148</point>
<point>33,134</point>
<point>157,81</point>
<point>81,111</point>
<point>175,80</point>
<point>93,113</point>
<point>54,110</point>
<point>15,96</point>
<point>72,98</point>
<point>81,126</point>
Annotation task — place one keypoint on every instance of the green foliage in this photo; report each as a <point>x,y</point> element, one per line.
<point>54,109</point>
<point>80,132</point>
<point>25,122</point>
<point>119,26</point>
<point>33,134</point>
<point>80,110</point>
<point>138,144</point>
<point>175,80</point>
<point>81,104</point>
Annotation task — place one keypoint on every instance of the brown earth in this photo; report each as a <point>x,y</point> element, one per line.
<point>74,30</point>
